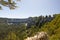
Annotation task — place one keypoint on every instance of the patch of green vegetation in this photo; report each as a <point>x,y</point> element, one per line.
<point>20,32</point>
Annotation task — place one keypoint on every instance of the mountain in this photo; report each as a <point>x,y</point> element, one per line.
<point>48,24</point>
<point>52,28</point>
<point>38,21</point>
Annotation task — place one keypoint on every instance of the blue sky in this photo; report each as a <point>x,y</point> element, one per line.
<point>27,8</point>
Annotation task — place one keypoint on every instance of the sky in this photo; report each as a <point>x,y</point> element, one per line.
<point>31,8</point>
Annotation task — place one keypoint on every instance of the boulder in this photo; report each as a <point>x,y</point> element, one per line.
<point>39,36</point>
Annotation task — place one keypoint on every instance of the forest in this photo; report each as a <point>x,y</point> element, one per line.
<point>49,24</point>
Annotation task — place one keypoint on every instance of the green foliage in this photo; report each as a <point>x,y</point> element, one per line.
<point>20,32</point>
<point>53,28</point>
<point>10,3</point>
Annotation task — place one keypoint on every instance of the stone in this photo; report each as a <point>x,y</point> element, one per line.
<point>39,36</point>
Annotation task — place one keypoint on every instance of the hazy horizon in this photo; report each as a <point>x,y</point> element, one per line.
<point>31,8</point>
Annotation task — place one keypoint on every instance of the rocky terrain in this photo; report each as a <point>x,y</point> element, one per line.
<point>39,36</point>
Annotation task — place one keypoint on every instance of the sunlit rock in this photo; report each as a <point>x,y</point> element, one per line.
<point>39,36</point>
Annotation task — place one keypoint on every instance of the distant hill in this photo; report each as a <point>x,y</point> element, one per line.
<point>48,24</point>
<point>38,21</point>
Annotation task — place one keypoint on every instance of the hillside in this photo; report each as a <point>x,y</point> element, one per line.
<point>48,24</point>
<point>53,28</point>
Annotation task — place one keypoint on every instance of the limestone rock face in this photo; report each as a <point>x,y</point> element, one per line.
<point>39,36</point>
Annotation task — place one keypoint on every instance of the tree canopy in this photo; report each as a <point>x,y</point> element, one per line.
<point>11,4</point>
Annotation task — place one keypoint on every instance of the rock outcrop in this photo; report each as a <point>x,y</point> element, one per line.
<point>39,36</point>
